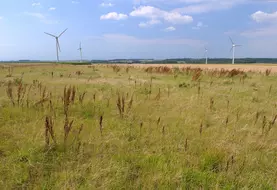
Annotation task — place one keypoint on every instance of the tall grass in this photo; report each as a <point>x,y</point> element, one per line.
<point>121,127</point>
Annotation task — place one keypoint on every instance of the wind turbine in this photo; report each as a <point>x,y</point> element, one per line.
<point>233,48</point>
<point>58,48</point>
<point>80,49</point>
<point>206,54</point>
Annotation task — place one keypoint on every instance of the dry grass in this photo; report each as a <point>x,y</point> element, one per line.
<point>154,127</point>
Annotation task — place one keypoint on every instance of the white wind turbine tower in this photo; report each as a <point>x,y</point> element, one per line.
<point>81,53</point>
<point>58,48</point>
<point>206,54</point>
<point>233,48</point>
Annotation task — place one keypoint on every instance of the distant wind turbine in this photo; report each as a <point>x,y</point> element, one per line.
<point>206,54</point>
<point>58,48</point>
<point>233,48</point>
<point>80,49</point>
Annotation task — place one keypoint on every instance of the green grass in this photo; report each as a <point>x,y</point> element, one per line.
<point>171,138</point>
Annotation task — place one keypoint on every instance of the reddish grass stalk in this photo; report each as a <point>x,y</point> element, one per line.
<point>130,102</point>
<point>228,103</point>
<point>158,121</point>
<point>227,121</point>
<point>201,128</point>
<point>119,104</point>
<point>158,95</point>
<point>186,145</point>
<point>272,123</point>
<point>211,103</point>
<point>101,125</point>
<point>94,97</point>
<point>49,130</point>
<point>237,115</point>
<point>140,127</point>
<point>270,89</point>
<point>67,128</point>
<point>163,131</point>
<point>10,93</point>
<point>267,72</point>
<point>257,117</point>
<point>264,124</point>
<point>199,89</point>
<point>81,97</point>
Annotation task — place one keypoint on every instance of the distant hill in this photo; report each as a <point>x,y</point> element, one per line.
<point>163,61</point>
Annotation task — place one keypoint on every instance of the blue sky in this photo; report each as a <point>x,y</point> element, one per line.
<point>137,28</point>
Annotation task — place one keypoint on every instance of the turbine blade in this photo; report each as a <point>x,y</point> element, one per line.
<point>231,49</point>
<point>62,32</point>
<point>80,45</point>
<point>231,40</point>
<point>50,34</point>
<point>238,45</point>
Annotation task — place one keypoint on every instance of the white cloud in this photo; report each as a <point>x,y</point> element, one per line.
<point>36,4</point>
<point>1,17</point>
<point>201,6</point>
<point>260,16</point>
<point>147,12</point>
<point>106,5</point>
<point>75,2</point>
<point>114,16</point>
<point>41,17</point>
<point>199,25</point>
<point>170,29</point>
<point>267,31</point>
<point>155,13</point>
<point>204,6</point>
<point>177,18</point>
<point>52,8</point>
<point>149,23</point>
<point>197,6</point>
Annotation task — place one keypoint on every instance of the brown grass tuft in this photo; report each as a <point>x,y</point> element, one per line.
<point>67,128</point>
<point>197,74</point>
<point>201,128</point>
<point>267,72</point>
<point>49,124</point>
<point>10,93</point>
<point>121,103</point>
<point>101,125</point>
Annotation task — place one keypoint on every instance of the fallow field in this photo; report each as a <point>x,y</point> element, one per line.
<point>138,127</point>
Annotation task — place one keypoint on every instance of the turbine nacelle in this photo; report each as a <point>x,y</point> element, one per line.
<point>80,49</point>
<point>233,49</point>
<point>58,48</point>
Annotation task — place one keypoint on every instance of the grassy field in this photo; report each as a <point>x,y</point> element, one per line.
<point>111,127</point>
